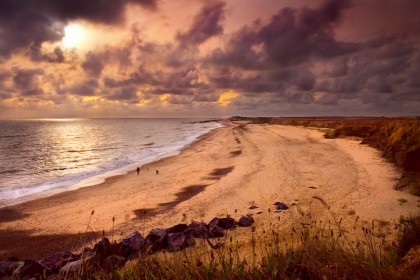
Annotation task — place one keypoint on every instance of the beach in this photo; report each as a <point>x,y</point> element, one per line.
<point>223,173</point>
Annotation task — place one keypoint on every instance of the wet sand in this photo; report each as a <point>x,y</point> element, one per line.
<point>224,172</point>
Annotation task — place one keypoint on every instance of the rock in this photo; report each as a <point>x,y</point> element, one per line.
<point>132,244</point>
<point>214,229</point>
<point>280,206</point>
<point>102,248</point>
<point>179,240</point>
<point>29,270</point>
<point>189,241</point>
<point>246,221</point>
<point>58,260</point>
<point>226,223</point>
<point>156,240</point>
<point>176,241</point>
<point>199,229</point>
<point>70,268</point>
<point>113,263</point>
<point>177,228</point>
<point>253,207</point>
<point>216,232</point>
<point>89,261</point>
<point>9,265</point>
<point>213,223</point>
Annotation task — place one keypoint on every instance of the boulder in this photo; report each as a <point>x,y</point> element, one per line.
<point>246,221</point>
<point>132,244</point>
<point>176,241</point>
<point>29,270</point>
<point>8,266</point>
<point>199,229</point>
<point>179,240</point>
<point>113,263</point>
<point>189,241</point>
<point>216,232</point>
<point>280,206</point>
<point>156,240</point>
<point>226,223</point>
<point>89,261</point>
<point>102,248</point>
<point>58,260</point>
<point>177,228</point>
<point>213,223</point>
<point>70,268</point>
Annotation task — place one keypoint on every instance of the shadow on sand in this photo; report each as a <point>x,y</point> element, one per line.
<point>24,244</point>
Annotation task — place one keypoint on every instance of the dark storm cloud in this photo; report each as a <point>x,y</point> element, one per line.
<point>27,81</point>
<point>291,36</point>
<point>93,64</point>
<point>206,24</point>
<point>85,88</point>
<point>5,95</point>
<point>123,94</point>
<point>29,23</point>
<point>55,56</point>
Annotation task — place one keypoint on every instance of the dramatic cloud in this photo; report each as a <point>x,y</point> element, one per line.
<point>30,23</point>
<point>206,24</point>
<point>323,57</point>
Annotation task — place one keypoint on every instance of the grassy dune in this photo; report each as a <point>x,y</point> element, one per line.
<point>397,138</point>
<point>315,250</point>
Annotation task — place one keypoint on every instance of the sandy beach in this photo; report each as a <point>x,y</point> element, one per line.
<point>224,172</point>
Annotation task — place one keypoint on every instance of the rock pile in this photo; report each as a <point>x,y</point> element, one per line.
<point>110,256</point>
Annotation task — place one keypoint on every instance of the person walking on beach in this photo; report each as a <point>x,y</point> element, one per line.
<point>138,170</point>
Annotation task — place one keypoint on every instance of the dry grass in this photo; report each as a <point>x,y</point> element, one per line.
<point>314,250</point>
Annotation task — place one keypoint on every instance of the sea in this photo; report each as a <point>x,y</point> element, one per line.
<point>40,158</point>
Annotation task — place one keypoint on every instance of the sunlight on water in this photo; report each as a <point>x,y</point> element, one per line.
<point>38,156</point>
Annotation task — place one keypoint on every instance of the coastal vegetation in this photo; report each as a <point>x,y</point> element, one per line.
<point>397,138</point>
<point>315,249</point>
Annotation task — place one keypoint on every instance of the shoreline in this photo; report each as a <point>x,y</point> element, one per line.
<point>223,172</point>
<point>99,178</point>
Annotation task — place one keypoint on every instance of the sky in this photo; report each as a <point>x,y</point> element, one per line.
<point>190,58</point>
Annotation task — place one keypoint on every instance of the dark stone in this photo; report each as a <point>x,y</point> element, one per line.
<point>156,240</point>
<point>58,260</point>
<point>179,240</point>
<point>89,260</point>
<point>214,229</point>
<point>177,228</point>
<point>8,266</point>
<point>213,223</point>
<point>132,244</point>
<point>113,263</point>
<point>189,241</point>
<point>253,207</point>
<point>199,229</point>
<point>281,206</point>
<point>216,232</point>
<point>102,248</point>
<point>226,223</point>
<point>176,241</point>
<point>70,268</point>
<point>246,221</point>
<point>30,269</point>
<point>115,249</point>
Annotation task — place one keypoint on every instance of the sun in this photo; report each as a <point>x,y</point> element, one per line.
<point>74,35</point>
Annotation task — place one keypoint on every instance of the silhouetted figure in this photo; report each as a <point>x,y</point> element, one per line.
<point>138,170</point>
<point>157,172</point>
